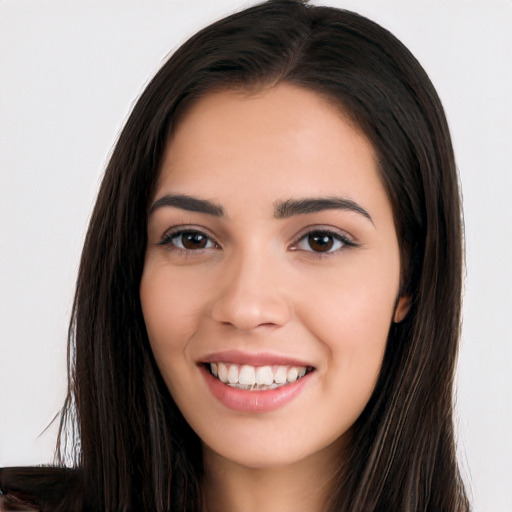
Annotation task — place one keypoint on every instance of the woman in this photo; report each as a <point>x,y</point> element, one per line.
<point>268,304</point>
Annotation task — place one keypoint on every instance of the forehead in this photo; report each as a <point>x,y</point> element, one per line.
<point>259,108</point>
<point>275,143</point>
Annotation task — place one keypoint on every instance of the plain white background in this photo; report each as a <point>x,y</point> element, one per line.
<point>69,74</point>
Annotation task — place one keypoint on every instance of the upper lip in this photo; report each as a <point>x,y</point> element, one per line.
<point>258,359</point>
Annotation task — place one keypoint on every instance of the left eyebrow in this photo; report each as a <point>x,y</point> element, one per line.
<point>286,209</point>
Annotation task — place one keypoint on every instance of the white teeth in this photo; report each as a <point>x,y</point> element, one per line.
<point>223,372</point>
<point>247,375</point>
<point>280,375</point>
<point>292,374</point>
<point>256,377</point>
<point>264,376</point>
<point>233,374</point>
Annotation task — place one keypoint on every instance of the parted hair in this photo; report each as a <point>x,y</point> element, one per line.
<point>131,447</point>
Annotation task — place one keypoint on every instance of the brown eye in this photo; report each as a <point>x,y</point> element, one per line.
<point>193,240</point>
<point>188,240</point>
<point>323,242</point>
<point>320,242</point>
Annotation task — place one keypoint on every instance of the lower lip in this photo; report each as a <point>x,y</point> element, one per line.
<point>254,401</point>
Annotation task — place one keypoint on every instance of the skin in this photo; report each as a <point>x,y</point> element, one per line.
<point>260,286</point>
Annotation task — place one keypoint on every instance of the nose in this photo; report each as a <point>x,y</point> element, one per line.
<point>252,294</point>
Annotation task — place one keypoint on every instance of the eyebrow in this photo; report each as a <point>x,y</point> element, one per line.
<point>286,209</point>
<point>282,210</point>
<point>189,203</point>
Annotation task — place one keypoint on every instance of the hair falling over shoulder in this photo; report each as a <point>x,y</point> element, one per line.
<point>121,431</point>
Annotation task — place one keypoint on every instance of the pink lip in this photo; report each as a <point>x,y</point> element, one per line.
<point>261,359</point>
<point>253,401</point>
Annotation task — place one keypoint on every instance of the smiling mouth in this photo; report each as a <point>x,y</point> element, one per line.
<point>256,378</point>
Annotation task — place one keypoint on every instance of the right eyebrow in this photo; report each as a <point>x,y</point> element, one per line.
<point>189,203</point>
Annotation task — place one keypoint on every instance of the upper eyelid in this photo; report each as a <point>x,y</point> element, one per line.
<point>176,230</point>
<point>323,229</point>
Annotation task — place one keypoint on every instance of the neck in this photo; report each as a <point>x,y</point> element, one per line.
<point>302,486</point>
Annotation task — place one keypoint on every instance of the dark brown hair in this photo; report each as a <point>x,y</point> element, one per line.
<point>134,450</point>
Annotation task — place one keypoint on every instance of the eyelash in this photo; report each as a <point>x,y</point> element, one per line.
<point>176,233</point>
<point>336,237</point>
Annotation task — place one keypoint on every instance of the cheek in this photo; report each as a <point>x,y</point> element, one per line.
<point>172,315</point>
<point>350,313</point>
<point>355,301</point>
<point>171,311</point>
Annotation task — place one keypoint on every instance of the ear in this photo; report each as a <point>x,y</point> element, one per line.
<point>402,306</point>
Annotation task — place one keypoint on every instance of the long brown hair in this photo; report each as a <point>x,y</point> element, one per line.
<point>133,449</point>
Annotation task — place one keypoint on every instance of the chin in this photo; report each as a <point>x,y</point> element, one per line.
<point>271,451</point>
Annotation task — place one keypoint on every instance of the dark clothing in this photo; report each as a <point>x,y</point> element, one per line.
<point>44,489</point>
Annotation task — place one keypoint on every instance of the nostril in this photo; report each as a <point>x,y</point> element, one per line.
<point>249,311</point>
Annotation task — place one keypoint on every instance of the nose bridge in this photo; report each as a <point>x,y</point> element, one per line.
<point>253,292</point>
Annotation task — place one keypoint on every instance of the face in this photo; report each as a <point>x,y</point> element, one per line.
<point>271,275</point>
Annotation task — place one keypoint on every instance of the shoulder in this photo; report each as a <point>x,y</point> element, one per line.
<point>39,488</point>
